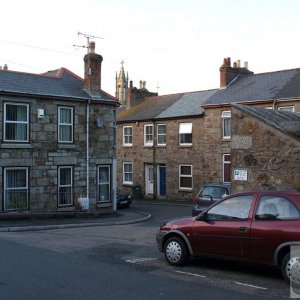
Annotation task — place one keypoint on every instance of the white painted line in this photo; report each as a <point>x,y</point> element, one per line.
<point>251,285</point>
<point>191,274</point>
<point>139,260</point>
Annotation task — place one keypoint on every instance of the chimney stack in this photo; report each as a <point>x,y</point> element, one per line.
<point>92,70</point>
<point>228,73</point>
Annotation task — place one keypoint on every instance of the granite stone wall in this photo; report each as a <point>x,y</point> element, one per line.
<point>43,154</point>
<point>270,157</point>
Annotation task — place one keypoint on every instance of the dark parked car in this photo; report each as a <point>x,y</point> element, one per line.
<point>259,227</point>
<point>209,194</point>
<point>123,199</point>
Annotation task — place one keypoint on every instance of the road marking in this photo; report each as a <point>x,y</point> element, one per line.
<point>140,260</point>
<point>251,285</point>
<point>191,274</point>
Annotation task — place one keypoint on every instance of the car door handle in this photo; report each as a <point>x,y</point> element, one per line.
<point>243,229</point>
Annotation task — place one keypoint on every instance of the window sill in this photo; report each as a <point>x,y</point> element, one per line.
<point>16,146</point>
<point>69,207</point>
<point>187,190</point>
<point>186,145</point>
<point>226,139</point>
<point>66,146</point>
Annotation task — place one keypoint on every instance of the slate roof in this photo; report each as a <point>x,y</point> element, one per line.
<point>287,122</point>
<point>166,107</point>
<point>60,83</point>
<point>148,109</point>
<point>245,88</point>
<point>256,87</point>
<point>189,104</point>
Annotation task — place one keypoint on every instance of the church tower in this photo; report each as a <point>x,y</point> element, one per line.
<point>122,85</point>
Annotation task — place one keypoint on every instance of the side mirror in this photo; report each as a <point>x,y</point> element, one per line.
<point>202,217</point>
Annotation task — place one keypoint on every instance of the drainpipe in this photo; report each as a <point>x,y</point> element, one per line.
<point>274,104</point>
<point>87,148</point>
<point>114,164</point>
<point>154,162</point>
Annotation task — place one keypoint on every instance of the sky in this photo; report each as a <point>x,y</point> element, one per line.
<point>174,45</point>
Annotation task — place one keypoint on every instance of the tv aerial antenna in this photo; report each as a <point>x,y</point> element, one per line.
<point>88,37</point>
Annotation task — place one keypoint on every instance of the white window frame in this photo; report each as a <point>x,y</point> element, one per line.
<point>185,128</point>
<point>225,162</point>
<point>161,134</point>
<point>185,176</point>
<point>127,138</point>
<point>17,189</point>
<point>290,108</point>
<point>226,118</point>
<point>148,135</point>
<point>64,186</point>
<point>62,124</point>
<point>16,123</point>
<point>107,183</point>
<point>124,173</point>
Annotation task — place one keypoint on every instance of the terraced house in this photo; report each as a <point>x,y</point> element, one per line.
<point>57,140</point>
<point>170,145</point>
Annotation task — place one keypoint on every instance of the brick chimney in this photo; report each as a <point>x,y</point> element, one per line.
<point>92,69</point>
<point>228,73</point>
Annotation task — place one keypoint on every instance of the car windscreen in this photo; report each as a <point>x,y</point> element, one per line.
<point>214,191</point>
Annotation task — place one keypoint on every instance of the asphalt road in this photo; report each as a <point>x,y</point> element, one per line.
<point>121,262</point>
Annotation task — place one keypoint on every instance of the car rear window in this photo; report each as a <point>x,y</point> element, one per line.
<point>214,191</point>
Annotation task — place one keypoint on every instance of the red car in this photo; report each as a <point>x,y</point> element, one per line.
<point>260,227</point>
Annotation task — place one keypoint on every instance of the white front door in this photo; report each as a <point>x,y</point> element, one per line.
<point>149,179</point>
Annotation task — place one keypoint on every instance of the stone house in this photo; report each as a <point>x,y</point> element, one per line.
<point>57,138</point>
<point>265,147</point>
<point>169,146</point>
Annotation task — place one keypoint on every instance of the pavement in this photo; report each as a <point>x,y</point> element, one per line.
<point>34,223</point>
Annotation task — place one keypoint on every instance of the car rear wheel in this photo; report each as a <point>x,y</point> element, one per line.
<point>290,267</point>
<point>175,251</point>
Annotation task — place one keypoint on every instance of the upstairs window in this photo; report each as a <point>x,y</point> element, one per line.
<point>148,135</point>
<point>65,124</point>
<point>226,124</point>
<point>127,136</point>
<point>16,122</point>
<point>161,134</point>
<point>185,134</point>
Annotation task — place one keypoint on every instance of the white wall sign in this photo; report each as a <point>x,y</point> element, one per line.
<point>241,175</point>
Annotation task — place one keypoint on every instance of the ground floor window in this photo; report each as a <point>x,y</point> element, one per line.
<point>104,183</point>
<point>186,177</point>
<point>127,173</point>
<point>65,186</point>
<point>16,188</point>
<point>226,168</point>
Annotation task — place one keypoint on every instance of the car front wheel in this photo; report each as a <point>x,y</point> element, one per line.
<point>290,267</point>
<point>175,251</point>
